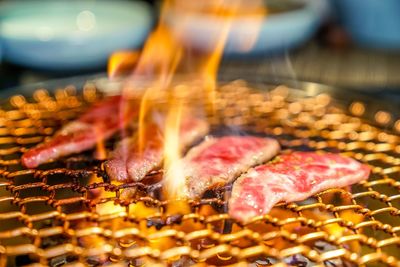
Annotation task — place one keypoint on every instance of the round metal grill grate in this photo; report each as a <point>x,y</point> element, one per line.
<point>68,213</point>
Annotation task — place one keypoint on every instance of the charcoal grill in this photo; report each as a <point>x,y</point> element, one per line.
<point>68,212</point>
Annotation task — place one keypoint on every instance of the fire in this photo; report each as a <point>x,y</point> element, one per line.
<point>101,152</point>
<point>160,57</point>
<point>207,71</point>
<point>122,62</point>
<point>174,179</point>
<point>165,54</point>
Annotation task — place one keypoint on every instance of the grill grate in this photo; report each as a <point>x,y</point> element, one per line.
<point>68,212</point>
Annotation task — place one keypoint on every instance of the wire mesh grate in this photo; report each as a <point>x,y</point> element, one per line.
<point>68,212</point>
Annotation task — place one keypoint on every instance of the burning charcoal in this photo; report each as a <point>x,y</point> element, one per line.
<point>322,246</point>
<point>95,261</point>
<point>183,261</point>
<point>53,241</point>
<point>58,261</point>
<point>174,219</point>
<point>158,223</point>
<point>263,262</point>
<point>338,263</point>
<point>299,261</point>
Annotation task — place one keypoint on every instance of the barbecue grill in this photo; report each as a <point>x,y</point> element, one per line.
<point>68,212</point>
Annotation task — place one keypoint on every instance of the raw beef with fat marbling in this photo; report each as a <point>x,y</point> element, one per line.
<point>130,163</point>
<point>97,124</point>
<point>217,161</point>
<point>291,177</point>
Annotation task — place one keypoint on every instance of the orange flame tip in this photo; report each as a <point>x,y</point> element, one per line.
<point>122,62</point>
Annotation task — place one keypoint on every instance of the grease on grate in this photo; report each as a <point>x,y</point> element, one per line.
<point>69,212</point>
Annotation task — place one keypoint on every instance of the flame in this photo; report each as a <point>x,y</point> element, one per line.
<point>164,54</point>
<point>159,60</point>
<point>174,181</point>
<point>122,62</point>
<point>206,71</point>
<point>160,56</point>
<point>101,152</point>
<point>210,63</point>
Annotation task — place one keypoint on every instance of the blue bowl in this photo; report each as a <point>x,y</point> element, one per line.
<point>69,35</point>
<point>285,31</point>
<point>371,23</point>
<point>248,35</point>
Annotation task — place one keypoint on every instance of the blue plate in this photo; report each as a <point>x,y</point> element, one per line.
<point>294,24</point>
<point>69,35</point>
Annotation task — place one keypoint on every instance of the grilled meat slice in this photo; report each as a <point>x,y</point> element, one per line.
<point>128,163</point>
<point>98,123</point>
<point>218,161</point>
<point>292,177</point>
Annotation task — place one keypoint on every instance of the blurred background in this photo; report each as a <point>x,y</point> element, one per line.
<point>345,43</point>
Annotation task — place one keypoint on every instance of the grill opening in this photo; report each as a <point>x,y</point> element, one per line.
<point>68,212</point>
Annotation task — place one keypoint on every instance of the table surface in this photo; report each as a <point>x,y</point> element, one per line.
<point>353,67</point>
<point>365,70</point>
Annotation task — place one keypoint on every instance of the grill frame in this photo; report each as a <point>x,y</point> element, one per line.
<point>46,256</point>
